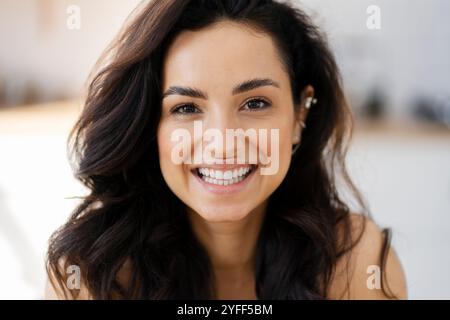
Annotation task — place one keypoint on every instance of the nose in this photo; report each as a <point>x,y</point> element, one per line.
<point>226,135</point>
<point>219,122</point>
<point>221,117</point>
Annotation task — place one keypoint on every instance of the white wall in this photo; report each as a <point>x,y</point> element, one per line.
<point>38,47</point>
<point>408,56</point>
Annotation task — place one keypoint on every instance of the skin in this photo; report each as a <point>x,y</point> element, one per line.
<point>215,60</point>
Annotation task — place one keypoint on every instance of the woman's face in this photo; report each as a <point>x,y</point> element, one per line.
<point>214,61</point>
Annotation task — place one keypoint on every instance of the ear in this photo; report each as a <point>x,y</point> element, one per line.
<point>301,113</point>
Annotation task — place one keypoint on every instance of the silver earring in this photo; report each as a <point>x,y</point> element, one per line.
<point>297,145</point>
<point>294,150</point>
<point>302,124</point>
<point>309,101</point>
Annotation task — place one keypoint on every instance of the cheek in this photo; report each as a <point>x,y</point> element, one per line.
<point>284,125</point>
<point>280,152</point>
<point>284,157</point>
<point>171,171</point>
<point>164,146</point>
<point>284,152</point>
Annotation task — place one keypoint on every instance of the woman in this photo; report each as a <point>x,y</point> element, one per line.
<point>156,228</point>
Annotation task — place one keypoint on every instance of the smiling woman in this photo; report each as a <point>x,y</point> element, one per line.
<point>154,228</point>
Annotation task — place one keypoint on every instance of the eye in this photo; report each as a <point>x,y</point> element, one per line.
<point>185,109</point>
<point>256,104</point>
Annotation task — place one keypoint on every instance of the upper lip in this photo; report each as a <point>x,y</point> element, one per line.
<point>222,166</point>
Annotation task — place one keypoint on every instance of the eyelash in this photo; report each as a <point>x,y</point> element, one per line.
<point>266,104</point>
<point>176,109</point>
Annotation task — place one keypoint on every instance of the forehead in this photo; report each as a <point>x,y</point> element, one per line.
<point>225,52</point>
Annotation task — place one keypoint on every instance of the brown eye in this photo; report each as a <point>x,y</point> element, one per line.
<point>185,109</point>
<point>256,104</point>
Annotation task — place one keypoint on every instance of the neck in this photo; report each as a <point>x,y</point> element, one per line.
<point>231,246</point>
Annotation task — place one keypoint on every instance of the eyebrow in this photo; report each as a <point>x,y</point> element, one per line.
<point>240,88</point>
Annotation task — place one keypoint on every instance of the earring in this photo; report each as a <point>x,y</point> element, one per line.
<point>297,137</point>
<point>294,150</point>
<point>309,101</point>
<point>302,124</point>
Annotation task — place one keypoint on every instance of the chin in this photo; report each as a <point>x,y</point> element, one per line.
<point>223,213</point>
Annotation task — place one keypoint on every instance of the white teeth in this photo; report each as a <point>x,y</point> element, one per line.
<point>228,175</point>
<point>218,174</point>
<point>223,177</point>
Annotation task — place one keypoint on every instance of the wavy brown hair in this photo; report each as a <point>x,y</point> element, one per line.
<point>131,217</point>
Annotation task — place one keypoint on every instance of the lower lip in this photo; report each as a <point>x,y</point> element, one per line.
<point>221,189</point>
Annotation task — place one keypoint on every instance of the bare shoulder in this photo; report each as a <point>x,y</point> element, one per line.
<point>359,274</point>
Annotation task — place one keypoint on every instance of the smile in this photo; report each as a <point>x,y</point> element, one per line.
<point>224,178</point>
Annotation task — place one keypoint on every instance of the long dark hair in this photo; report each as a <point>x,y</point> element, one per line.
<point>132,220</point>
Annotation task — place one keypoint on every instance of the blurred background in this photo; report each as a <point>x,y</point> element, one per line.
<point>395,75</point>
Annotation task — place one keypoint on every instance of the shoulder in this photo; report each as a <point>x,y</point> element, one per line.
<point>360,273</point>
